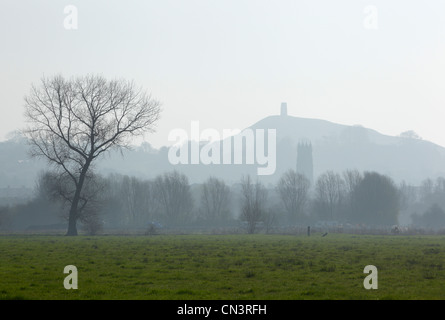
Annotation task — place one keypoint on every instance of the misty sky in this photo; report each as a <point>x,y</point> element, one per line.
<point>229,63</point>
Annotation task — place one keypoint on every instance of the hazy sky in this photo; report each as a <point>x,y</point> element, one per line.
<point>229,63</point>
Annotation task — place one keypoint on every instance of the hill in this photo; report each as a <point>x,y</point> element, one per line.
<point>335,147</point>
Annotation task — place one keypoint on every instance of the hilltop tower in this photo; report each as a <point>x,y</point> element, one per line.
<point>283,109</point>
<point>304,160</point>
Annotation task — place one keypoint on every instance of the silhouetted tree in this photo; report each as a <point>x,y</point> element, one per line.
<point>215,199</point>
<point>351,179</point>
<point>407,195</point>
<point>172,191</point>
<point>58,188</point>
<point>409,200</point>
<point>293,189</point>
<point>329,192</point>
<point>74,122</point>
<point>253,202</point>
<point>410,134</point>
<point>434,217</point>
<point>377,199</point>
<point>427,190</point>
<point>137,200</point>
<point>5,219</point>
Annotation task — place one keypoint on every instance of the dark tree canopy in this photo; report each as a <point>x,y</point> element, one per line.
<point>377,200</point>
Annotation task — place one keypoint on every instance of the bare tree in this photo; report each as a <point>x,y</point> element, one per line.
<point>5,218</point>
<point>293,189</point>
<point>431,192</point>
<point>427,188</point>
<point>352,179</point>
<point>172,191</point>
<point>329,190</point>
<point>408,195</point>
<point>254,196</point>
<point>54,191</point>
<point>58,189</point>
<point>137,200</point>
<point>215,199</point>
<point>270,218</point>
<point>73,122</point>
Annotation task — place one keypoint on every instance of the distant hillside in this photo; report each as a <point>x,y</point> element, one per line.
<point>16,168</point>
<point>335,147</point>
<point>339,147</point>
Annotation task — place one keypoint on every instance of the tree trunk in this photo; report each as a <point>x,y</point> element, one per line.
<point>72,218</point>
<point>72,227</point>
<point>73,215</point>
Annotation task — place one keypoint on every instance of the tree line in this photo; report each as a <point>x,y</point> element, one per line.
<point>169,200</point>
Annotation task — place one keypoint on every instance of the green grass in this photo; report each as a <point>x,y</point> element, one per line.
<point>222,267</point>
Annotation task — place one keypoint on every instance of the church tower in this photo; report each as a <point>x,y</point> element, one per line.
<point>304,160</point>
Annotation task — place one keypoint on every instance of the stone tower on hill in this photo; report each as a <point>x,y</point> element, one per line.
<point>304,161</point>
<point>283,109</point>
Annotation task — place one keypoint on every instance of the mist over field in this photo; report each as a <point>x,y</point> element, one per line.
<point>262,141</point>
<point>325,174</point>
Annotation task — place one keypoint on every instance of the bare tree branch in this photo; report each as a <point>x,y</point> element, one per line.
<point>73,122</point>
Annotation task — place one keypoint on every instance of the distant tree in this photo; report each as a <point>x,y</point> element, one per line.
<point>293,189</point>
<point>269,218</point>
<point>329,192</point>
<point>431,192</point>
<point>410,134</point>
<point>215,199</point>
<point>427,190</point>
<point>137,200</point>
<point>73,122</point>
<point>5,218</point>
<point>253,202</point>
<point>114,203</point>
<point>439,187</point>
<point>433,217</point>
<point>409,200</point>
<point>172,191</point>
<point>352,179</point>
<point>407,195</point>
<point>377,199</point>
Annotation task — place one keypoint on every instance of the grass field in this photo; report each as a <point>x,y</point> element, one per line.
<point>222,267</point>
